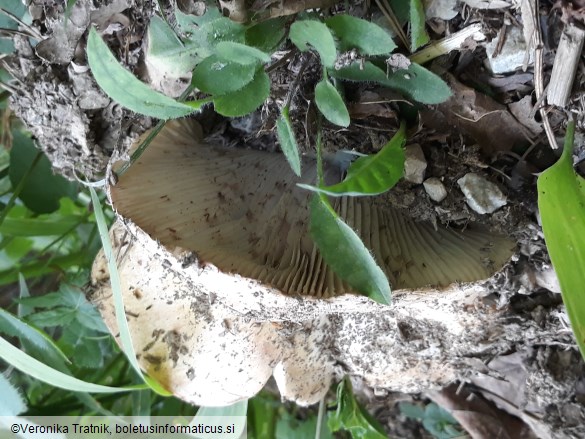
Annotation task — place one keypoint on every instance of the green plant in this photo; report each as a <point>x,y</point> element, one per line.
<point>349,415</point>
<point>435,420</point>
<point>561,201</point>
<point>226,60</point>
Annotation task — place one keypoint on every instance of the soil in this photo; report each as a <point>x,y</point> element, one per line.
<point>536,381</point>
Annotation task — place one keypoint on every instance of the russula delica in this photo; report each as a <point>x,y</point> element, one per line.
<point>223,286</point>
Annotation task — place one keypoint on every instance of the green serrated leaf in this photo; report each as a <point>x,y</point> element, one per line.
<point>346,254</point>
<point>288,142</point>
<point>14,327</point>
<point>120,85</point>
<point>240,53</point>
<point>245,100</point>
<point>416,82</point>
<point>219,77</point>
<point>188,23</point>
<point>52,317</point>
<point>266,35</point>
<point>215,31</point>
<point>418,34</point>
<point>318,36</point>
<point>12,403</point>
<point>166,52</point>
<point>371,175</point>
<point>87,354</point>
<point>350,416</point>
<point>356,33</point>
<point>561,201</point>
<point>330,104</point>
<point>42,189</point>
<point>360,72</point>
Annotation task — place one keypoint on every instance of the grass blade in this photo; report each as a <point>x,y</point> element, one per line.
<point>561,201</point>
<point>33,367</point>
<point>125,337</point>
<point>371,175</point>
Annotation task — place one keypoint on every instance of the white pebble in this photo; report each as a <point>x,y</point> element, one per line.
<point>414,164</point>
<point>481,195</point>
<point>435,189</point>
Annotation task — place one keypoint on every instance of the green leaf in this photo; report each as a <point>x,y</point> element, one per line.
<point>418,34</point>
<point>218,77</point>
<point>367,37</point>
<point>240,53</point>
<point>14,327</point>
<point>116,284</point>
<point>87,354</point>
<point>188,23</point>
<point>288,427</point>
<point>346,254</point>
<point>245,100</point>
<point>39,226</point>
<point>371,175</point>
<point>12,403</point>
<point>31,366</point>
<point>330,104</point>
<point>52,317</point>
<point>266,35</point>
<point>167,52</point>
<point>315,33</point>
<point>215,31</point>
<point>360,72</point>
<point>419,84</point>
<point>43,189</point>
<point>350,416</point>
<point>288,142</point>
<point>561,201</point>
<point>416,82</point>
<point>120,85</point>
<point>411,410</point>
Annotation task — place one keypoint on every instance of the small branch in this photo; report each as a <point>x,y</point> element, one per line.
<point>529,10</point>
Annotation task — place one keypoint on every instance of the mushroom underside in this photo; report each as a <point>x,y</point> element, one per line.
<point>241,211</point>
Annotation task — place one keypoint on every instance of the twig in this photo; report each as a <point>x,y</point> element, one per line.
<point>394,23</point>
<point>532,7</point>
<point>32,31</point>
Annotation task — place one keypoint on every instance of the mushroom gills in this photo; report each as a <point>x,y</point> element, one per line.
<point>241,211</point>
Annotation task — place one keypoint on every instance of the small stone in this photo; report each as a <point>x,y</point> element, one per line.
<point>415,164</point>
<point>435,189</point>
<point>481,195</point>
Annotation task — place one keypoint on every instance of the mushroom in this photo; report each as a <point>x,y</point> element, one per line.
<point>223,286</point>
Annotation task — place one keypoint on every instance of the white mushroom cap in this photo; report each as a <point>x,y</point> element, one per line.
<point>220,276</point>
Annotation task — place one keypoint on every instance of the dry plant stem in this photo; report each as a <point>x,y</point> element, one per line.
<point>290,7</point>
<point>530,13</point>
<point>447,44</point>
<point>32,32</point>
<point>565,65</point>
<point>389,14</point>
